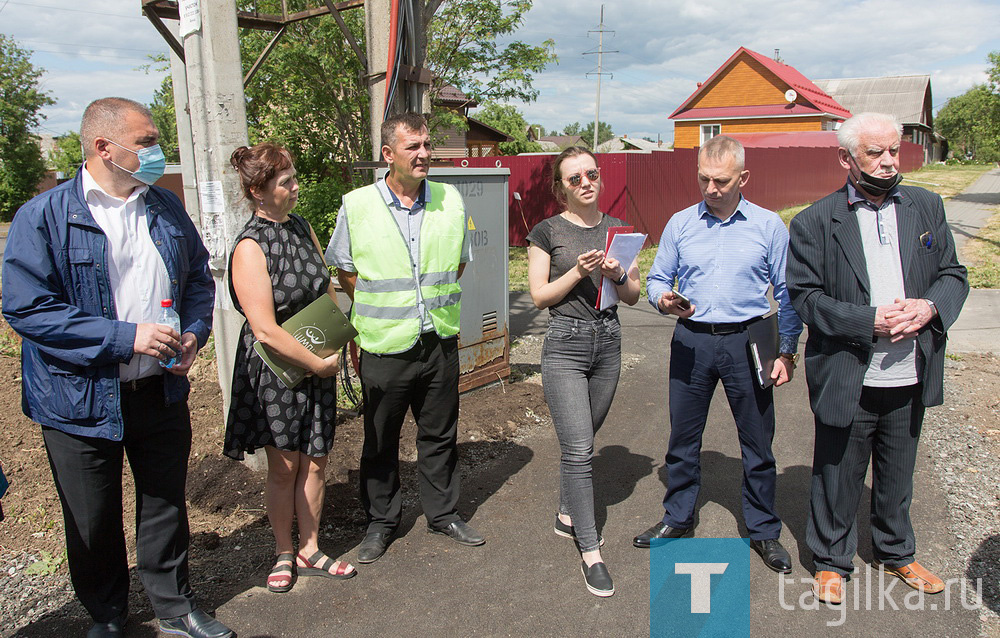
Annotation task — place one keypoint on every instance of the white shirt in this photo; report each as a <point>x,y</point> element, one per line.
<point>139,278</point>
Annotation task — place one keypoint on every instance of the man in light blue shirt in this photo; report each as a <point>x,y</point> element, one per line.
<point>724,253</point>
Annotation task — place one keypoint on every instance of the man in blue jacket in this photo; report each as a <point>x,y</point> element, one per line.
<point>86,267</point>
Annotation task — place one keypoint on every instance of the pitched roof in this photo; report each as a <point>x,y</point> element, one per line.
<point>450,95</point>
<point>816,101</point>
<point>908,97</point>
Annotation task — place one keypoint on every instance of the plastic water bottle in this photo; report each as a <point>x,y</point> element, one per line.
<point>168,317</point>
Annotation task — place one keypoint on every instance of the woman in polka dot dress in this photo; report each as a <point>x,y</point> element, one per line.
<point>276,270</point>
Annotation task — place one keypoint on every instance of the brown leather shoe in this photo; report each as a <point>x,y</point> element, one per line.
<point>828,587</point>
<point>916,576</point>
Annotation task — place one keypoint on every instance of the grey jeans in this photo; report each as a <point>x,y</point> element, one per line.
<point>581,362</point>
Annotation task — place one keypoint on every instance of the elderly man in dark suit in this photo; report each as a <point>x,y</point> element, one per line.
<point>872,271</point>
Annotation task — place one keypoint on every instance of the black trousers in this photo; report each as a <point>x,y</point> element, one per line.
<point>88,477</point>
<point>698,361</point>
<point>425,380</point>
<point>886,430</point>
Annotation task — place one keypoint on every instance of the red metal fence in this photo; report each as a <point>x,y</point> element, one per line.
<point>645,189</point>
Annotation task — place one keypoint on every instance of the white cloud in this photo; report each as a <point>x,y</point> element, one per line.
<point>664,48</point>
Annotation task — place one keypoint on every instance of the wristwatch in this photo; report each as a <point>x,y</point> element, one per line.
<point>623,279</point>
<point>791,356</point>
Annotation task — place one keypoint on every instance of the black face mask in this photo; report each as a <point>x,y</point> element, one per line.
<point>876,186</point>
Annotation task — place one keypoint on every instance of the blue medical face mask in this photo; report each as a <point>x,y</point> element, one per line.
<point>151,163</point>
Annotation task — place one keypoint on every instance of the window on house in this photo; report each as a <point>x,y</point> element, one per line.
<point>708,131</point>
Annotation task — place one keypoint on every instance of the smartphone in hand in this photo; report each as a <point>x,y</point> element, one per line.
<point>685,302</point>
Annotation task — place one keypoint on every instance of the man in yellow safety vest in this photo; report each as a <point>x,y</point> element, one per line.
<point>400,248</point>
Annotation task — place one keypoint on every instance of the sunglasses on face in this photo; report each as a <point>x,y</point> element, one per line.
<point>576,179</point>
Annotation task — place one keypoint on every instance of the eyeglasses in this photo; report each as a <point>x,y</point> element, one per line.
<point>576,179</point>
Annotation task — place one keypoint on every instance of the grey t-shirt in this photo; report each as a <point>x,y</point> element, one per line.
<point>564,241</point>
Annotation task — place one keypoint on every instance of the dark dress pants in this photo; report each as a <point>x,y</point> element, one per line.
<point>698,361</point>
<point>886,430</point>
<point>88,477</point>
<point>425,380</point>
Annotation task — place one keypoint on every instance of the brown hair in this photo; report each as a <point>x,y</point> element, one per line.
<point>410,121</point>
<point>256,165</point>
<point>572,151</point>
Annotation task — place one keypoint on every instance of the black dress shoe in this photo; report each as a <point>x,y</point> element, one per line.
<point>196,624</point>
<point>660,530</point>
<point>460,532</point>
<point>775,556</point>
<point>373,546</point>
<point>112,629</point>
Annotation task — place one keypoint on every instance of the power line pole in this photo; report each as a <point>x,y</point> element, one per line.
<point>600,54</point>
<point>214,79</point>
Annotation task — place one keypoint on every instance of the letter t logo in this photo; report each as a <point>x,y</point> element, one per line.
<point>701,583</point>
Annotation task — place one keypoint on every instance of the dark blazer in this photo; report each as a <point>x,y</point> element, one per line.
<point>828,283</point>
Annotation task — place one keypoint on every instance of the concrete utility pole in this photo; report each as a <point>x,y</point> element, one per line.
<point>600,55</point>
<point>377,45</point>
<point>218,124</point>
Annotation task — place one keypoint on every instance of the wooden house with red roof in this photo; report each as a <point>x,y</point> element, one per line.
<point>752,93</point>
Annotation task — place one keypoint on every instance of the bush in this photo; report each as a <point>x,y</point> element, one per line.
<point>319,202</point>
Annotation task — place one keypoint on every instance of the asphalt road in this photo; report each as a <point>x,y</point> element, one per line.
<point>526,581</point>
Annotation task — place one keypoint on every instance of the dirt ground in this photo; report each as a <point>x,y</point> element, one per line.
<point>232,546</point>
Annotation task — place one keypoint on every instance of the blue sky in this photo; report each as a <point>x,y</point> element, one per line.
<point>92,48</point>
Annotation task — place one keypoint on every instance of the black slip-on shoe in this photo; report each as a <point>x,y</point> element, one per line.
<point>568,531</point>
<point>598,579</point>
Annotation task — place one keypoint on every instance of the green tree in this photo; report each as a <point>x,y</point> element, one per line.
<point>462,51</point>
<point>506,118</point>
<point>605,132</point>
<point>21,101</point>
<point>165,119</point>
<point>310,96</point>
<point>68,154</point>
<point>971,123</point>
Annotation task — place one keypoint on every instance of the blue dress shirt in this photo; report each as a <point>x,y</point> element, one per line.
<point>725,267</point>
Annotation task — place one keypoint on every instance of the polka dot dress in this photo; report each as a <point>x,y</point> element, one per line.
<point>262,411</point>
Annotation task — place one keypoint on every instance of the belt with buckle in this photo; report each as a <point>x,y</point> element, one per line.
<point>717,328</point>
<point>136,385</point>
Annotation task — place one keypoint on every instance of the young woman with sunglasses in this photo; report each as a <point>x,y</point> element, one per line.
<point>581,355</point>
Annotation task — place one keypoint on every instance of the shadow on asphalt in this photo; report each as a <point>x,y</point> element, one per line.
<point>989,199</point>
<point>484,467</point>
<point>722,484</point>
<point>982,565</point>
<point>616,472</point>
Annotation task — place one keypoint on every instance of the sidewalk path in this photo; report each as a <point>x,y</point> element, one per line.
<point>978,327</point>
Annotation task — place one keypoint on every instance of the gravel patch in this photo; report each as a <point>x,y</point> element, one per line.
<point>962,438</point>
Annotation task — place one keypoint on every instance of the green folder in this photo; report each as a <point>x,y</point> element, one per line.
<point>321,327</point>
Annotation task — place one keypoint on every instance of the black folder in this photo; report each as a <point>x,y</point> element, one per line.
<point>763,348</point>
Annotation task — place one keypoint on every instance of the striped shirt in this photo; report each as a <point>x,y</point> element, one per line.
<point>725,267</point>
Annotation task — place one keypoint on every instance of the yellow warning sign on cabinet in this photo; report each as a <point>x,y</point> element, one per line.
<point>471,225</point>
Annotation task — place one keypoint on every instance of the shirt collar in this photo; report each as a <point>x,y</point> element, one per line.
<point>390,197</point>
<point>91,187</point>
<point>854,197</point>
<point>704,210</point>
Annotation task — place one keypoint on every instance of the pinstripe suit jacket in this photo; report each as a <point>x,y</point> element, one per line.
<point>827,279</point>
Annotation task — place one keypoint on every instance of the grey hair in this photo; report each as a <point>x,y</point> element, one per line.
<point>723,146</point>
<point>849,133</point>
<point>106,118</point>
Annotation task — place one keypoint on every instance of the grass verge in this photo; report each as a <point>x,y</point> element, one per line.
<point>946,181</point>
<point>982,254</point>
